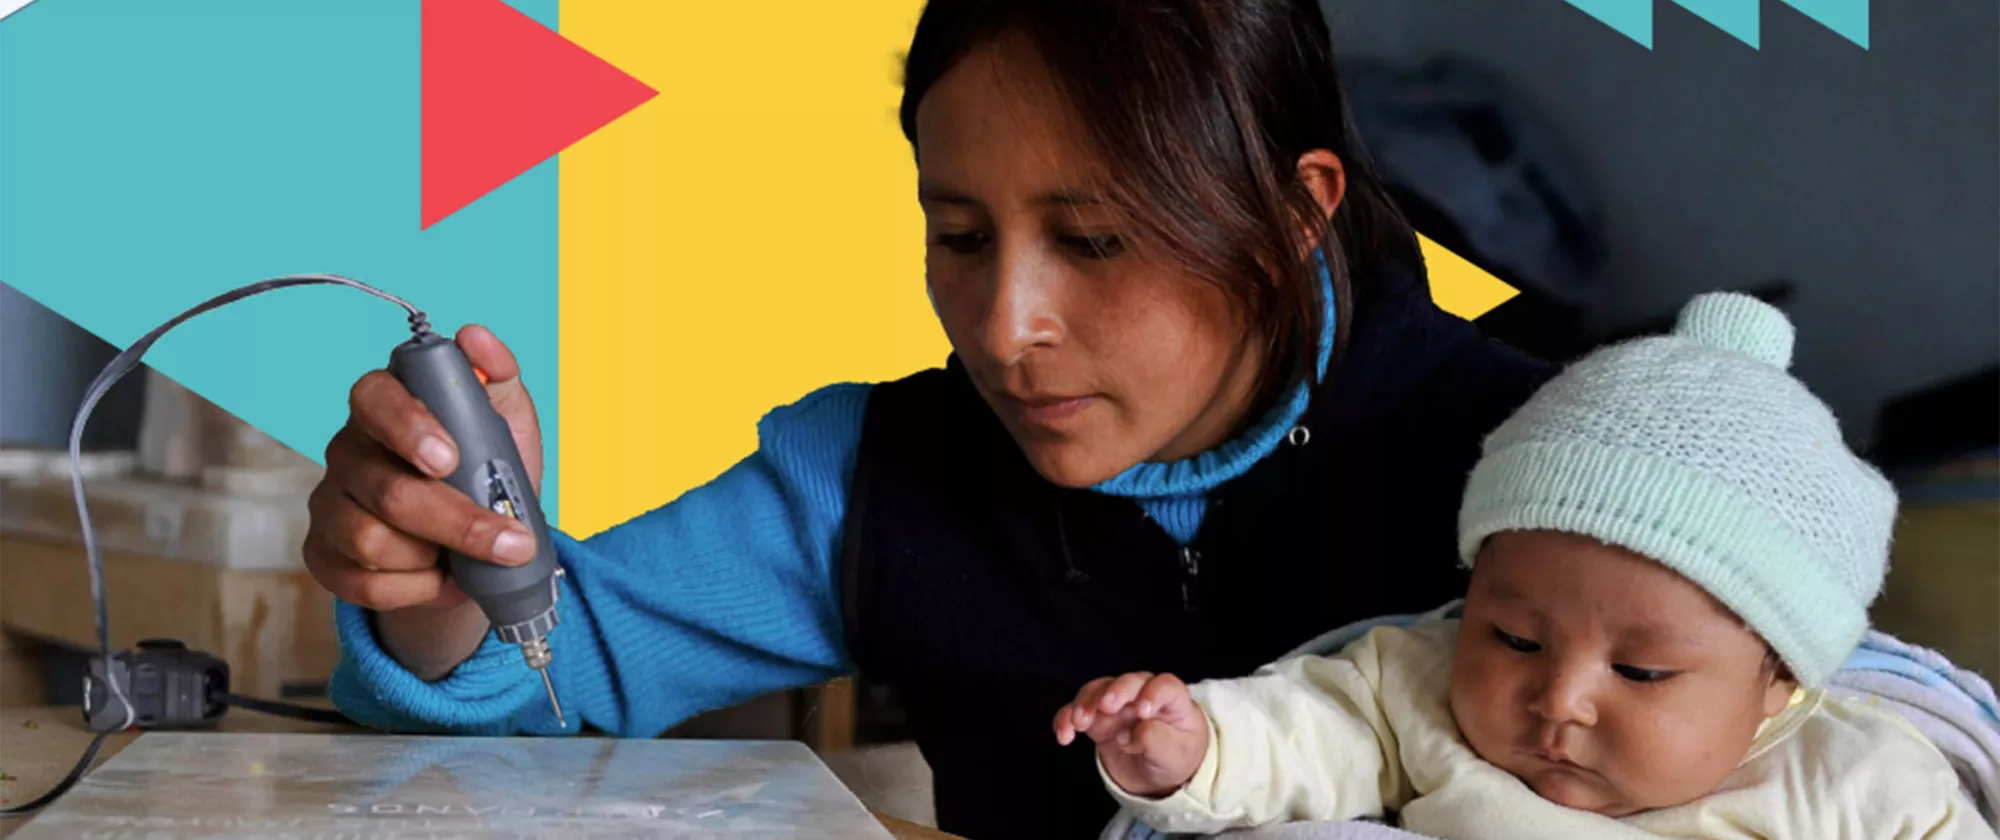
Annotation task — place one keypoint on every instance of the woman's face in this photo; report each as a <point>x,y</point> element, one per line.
<point>1096,351</point>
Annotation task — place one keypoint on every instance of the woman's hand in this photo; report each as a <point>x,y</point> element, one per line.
<point>1150,734</point>
<point>383,511</point>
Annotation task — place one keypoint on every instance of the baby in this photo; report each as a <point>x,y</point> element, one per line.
<point>1672,550</point>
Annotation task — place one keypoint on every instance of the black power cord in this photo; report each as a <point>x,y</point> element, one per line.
<point>290,710</point>
<point>62,787</point>
<point>115,677</point>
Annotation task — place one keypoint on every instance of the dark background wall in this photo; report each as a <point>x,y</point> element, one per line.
<point>1869,178</point>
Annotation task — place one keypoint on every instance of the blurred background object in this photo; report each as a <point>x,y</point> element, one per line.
<point>1480,173</point>
<point>1941,445</point>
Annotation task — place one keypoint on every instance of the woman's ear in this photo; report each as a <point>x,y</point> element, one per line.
<point>1324,176</point>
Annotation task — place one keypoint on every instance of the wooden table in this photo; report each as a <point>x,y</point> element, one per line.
<point>39,745</point>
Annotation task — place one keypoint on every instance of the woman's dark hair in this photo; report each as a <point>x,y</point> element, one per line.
<point>1202,109</point>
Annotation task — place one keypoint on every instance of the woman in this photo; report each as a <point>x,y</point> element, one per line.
<point>1200,408</point>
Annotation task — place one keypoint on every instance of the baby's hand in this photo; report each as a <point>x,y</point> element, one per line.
<point>1150,734</point>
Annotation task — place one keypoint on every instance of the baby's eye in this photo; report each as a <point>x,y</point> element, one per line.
<point>1515,642</point>
<point>1643,675</point>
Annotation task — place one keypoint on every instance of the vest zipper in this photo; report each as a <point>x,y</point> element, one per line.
<point>1190,563</point>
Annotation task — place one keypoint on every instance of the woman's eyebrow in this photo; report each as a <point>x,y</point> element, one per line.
<point>932,194</point>
<point>1067,198</point>
<point>936,195</point>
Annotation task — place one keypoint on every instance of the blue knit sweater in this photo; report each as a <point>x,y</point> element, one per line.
<point>721,595</point>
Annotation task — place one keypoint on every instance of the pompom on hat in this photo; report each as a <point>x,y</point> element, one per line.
<point>1698,450</point>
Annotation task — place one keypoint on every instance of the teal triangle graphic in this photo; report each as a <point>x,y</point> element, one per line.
<point>169,152</point>
<point>1736,17</point>
<point>1633,18</point>
<point>1739,18</point>
<point>1847,18</point>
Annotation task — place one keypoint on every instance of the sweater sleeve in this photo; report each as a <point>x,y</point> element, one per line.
<point>723,594</point>
<point>1304,739</point>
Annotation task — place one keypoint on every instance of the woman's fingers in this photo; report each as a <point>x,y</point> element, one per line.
<point>379,591</point>
<point>489,354</point>
<point>360,537</point>
<point>382,409</point>
<point>426,509</point>
<point>509,395</point>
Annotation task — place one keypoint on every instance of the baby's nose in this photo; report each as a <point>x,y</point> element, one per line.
<point>1566,697</point>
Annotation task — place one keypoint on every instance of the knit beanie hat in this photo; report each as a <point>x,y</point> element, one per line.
<point>1699,451</point>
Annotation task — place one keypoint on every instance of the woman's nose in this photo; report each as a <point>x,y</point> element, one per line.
<point>1023,314</point>
<point>1565,695</point>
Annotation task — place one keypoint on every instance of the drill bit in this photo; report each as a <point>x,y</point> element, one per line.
<point>536,652</point>
<point>553,704</point>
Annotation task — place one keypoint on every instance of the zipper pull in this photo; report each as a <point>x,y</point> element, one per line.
<point>1191,563</point>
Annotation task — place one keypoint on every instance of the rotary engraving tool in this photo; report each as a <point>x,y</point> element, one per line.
<point>520,601</point>
<point>163,685</point>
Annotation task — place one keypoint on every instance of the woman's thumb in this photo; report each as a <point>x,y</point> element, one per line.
<point>488,354</point>
<point>502,375</point>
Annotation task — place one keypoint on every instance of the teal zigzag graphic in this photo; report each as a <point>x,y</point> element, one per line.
<point>1739,18</point>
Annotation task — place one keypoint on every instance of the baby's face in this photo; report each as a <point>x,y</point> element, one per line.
<point>1603,680</point>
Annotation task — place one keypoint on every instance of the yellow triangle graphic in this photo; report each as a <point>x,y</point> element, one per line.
<point>1458,286</point>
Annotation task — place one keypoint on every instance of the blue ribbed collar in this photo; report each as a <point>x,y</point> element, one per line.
<point>1206,471</point>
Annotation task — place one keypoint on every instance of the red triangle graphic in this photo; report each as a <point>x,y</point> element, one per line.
<point>501,94</point>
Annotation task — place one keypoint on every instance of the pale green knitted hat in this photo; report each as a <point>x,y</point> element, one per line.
<point>1698,450</point>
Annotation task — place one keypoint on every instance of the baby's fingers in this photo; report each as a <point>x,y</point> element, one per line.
<point>1155,739</point>
<point>1065,724</point>
<point>1165,698</point>
<point>1121,692</point>
<point>1087,698</point>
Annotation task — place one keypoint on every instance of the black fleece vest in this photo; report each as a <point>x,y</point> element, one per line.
<point>987,596</point>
